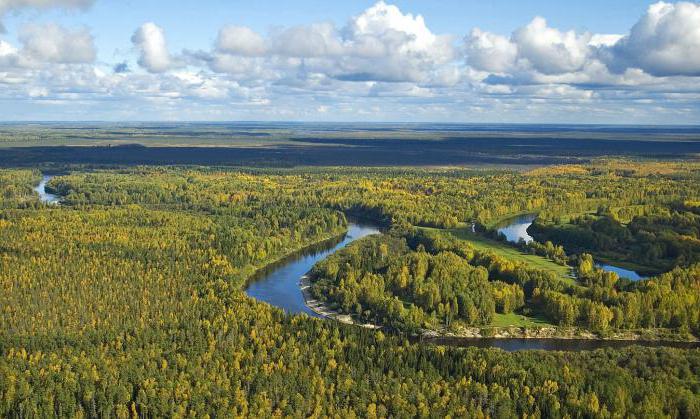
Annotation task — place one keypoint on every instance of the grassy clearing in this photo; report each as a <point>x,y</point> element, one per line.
<point>512,253</point>
<point>518,320</point>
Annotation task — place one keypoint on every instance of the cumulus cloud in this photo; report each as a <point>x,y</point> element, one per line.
<point>7,52</point>
<point>490,52</point>
<point>392,46</point>
<point>51,43</point>
<point>549,50</point>
<point>149,39</point>
<point>535,46</point>
<point>17,5</point>
<point>387,24</point>
<point>665,42</point>
<point>240,40</point>
<point>315,40</point>
<point>380,44</point>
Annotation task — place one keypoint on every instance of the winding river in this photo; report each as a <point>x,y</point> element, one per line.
<point>279,285</point>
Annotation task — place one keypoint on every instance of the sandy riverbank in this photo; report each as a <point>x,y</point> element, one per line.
<point>320,308</point>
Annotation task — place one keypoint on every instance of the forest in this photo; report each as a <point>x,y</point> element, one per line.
<point>658,238</point>
<point>442,278</point>
<point>127,299</point>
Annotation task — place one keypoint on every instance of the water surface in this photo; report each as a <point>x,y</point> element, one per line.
<point>278,284</point>
<point>515,229</point>
<point>44,196</point>
<point>621,272</point>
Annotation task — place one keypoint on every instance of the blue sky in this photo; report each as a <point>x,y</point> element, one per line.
<point>626,61</point>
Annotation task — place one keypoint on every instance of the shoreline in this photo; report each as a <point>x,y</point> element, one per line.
<point>495,333</point>
<point>556,333</point>
<point>257,271</point>
<point>323,310</point>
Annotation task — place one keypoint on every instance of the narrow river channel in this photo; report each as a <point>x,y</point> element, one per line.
<point>279,284</point>
<point>44,196</point>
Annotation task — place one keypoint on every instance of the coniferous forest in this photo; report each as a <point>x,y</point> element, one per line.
<point>127,298</point>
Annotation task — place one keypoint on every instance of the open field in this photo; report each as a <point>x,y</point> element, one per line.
<point>519,320</point>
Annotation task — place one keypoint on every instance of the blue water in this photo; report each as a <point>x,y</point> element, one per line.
<point>621,272</point>
<point>545,344</point>
<point>279,284</point>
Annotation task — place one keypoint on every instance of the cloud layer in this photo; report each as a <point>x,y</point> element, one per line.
<point>7,6</point>
<point>383,63</point>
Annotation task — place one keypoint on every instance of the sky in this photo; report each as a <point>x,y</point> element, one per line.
<point>544,61</point>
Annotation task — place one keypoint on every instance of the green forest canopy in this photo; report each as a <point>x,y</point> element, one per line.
<point>126,299</point>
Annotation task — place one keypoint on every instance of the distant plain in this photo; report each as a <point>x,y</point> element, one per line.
<point>320,144</point>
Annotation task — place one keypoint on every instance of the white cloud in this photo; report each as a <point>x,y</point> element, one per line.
<point>604,40</point>
<point>380,44</point>
<point>149,39</point>
<point>384,63</point>
<point>240,40</point>
<point>665,42</point>
<point>389,45</point>
<point>387,23</point>
<point>17,5</point>
<point>51,43</point>
<point>315,40</point>
<point>8,55</point>
<point>549,50</point>
<point>490,52</point>
<point>535,46</point>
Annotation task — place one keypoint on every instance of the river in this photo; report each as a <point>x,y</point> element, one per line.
<point>279,285</point>
<point>44,196</point>
<point>515,229</point>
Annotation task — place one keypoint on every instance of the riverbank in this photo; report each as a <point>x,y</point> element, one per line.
<point>45,196</point>
<point>320,308</point>
<point>278,283</point>
<point>563,333</point>
<point>332,238</point>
